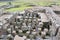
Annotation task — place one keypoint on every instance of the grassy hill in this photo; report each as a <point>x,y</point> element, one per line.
<point>24,4</point>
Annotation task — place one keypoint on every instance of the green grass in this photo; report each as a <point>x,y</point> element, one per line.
<point>23,4</point>
<point>17,9</point>
<point>3,3</point>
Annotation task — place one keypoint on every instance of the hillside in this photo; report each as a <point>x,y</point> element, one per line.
<point>25,4</point>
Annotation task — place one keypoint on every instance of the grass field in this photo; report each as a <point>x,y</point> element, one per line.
<point>23,4</point>
<point>3,3</point>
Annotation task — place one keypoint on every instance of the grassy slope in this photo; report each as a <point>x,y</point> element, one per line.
<point>23,4</point>
<point>3,3</point>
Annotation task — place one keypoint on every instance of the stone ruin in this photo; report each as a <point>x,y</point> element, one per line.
<point>30,24</point>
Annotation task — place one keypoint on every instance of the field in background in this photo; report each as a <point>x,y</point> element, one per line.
<point>23,4</point>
